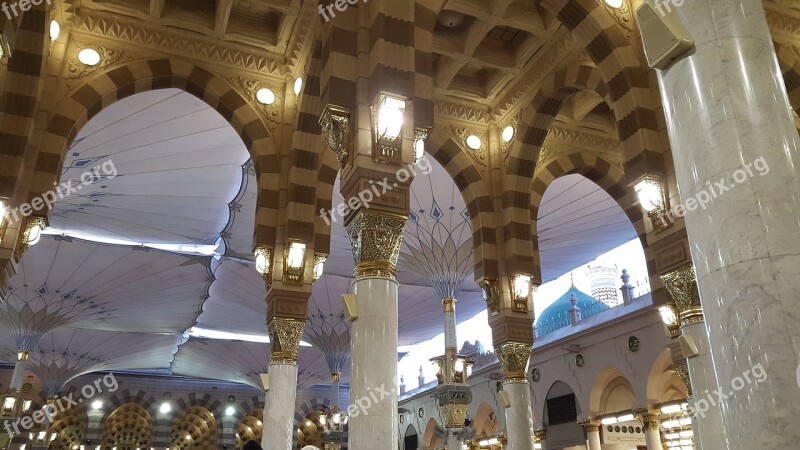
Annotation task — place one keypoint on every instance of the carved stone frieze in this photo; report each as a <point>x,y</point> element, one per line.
<point>75,71</point>
<point>249,87</point>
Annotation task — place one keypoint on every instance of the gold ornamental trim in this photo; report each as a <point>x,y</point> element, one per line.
<point>591,427</point>
<point>454,415</point>
<point>335,123</point>
<point>491,295</point>
<point>682,286</point>
<point>375,238</point>
<point>683,371</point>
<point>449,305</point>
<point>284,336</point>
<point>651,422</point>
<point>514,357</point>
<point>336,376</point>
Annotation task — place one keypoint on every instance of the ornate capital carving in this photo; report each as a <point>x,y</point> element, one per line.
<point>682,286</point>
<point>683,371</point>
<point>453,402</point>
<point>491,295</point>
<point>284,335</point>
<point>375,238</point>
<point>540,434</point>
<point>650,421</point>
<point>449,305</point>
<point>335,123</point>
<point>591,427</point>
<point>454,415</point>
<point>514,357</point>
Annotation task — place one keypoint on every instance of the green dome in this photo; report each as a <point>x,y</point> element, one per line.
<point>556,316</point>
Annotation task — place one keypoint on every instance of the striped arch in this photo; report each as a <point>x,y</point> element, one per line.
<point>306,408</point>
<point>123,81</point>
<point>634,101</point>
<point>476,196</point>
<point>533,129</point>
<point>128,425</point>
<point>196,429</point>
<point>70,427</point>
<point>790,67</point>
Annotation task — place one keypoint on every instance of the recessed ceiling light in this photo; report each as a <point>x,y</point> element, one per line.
<point>508,133</point>
<point>298,86</point>
<point>615,3</point>
<point>55,30</point>
<point>474,142</point>
<point>265,96</point>
<point>89,56</point>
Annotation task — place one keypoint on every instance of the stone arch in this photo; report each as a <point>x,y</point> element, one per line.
<point>632,97</point>
<point>486,422</point>
<point>70,427</point>
<point>477,197</point>
<point>431,439</point>
<point>522,162</point>
<point>127,427</point>
<point>306,408</point>
<point>195,430</point>
<point>309,428</point>
<point>410,438</point>
<point>123,81</point>
<point>557,389</point>
<point>664,384</point>
<point>251,427</point>
<point>611,393</point>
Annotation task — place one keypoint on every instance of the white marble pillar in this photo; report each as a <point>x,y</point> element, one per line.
<point>450,341</point>
<point>18,376</point>
<point>519,419</point>
<point>279,407</point>
<point>592,436</point>
<point>335,378</point>
<point>652,431</point>
<point>373,396</point>
<point>729,120</point>
<point>707,425</point>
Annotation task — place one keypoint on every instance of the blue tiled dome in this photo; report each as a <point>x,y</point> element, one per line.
<point>556,316</point>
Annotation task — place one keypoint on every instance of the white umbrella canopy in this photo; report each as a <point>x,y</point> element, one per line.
<point>168,167</point>
<point>62,282</point>
<point>243,362</point>
<point>66,353</point>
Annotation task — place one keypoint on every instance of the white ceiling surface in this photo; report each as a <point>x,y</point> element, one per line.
<point>104,287</point>
<point>67,353</point>
<point>578,221</point>
<point>242,362</point>
<point>178,161</point>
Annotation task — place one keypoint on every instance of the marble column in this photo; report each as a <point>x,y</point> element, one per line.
<point>376,239</point>
<point>652,431</point>
<point>282,395</point>
<point>700,375</point>
<point>592,436</point>
<point>93,430</point>
<point>18,376</point>
<point>335,379</point>
<point>729,119</point>
<point>514,358</point>
<point>228,437</point>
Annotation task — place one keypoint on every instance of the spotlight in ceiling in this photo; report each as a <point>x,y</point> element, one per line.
<point>89,57</point>
<point>97,404</point>
<point>508,133</point>
<point>451,19</point>
<point>55,30</point>
<point>616,4</point>
<point>165,408</point>
<point>265,96</point>
<point>298,86</point>
<point>474,142</point>
<point>230,410</point>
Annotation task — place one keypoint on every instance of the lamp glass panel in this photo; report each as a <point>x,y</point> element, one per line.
<point>390,118</point>
<point>522,285</point>
<point>297,252</point>
<point>650,194</point>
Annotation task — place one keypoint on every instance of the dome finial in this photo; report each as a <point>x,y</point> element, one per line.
<point>571,280</point>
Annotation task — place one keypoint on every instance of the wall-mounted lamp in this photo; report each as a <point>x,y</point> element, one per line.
<point>55,29</point>
<point>387,114</point>
<point>420,137</point>
<point>34,225</point>
<point>295,259</point>
<point>263,257</point>
<point>520,291</point>
<point>8,405</point>
<point>319,265</point>
<point>650,191</point>
<point>669,315</point>
<point>5,207</point>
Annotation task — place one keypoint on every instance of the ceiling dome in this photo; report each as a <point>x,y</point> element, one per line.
<point>556,316</point>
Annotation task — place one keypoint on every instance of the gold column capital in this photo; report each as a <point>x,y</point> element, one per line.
<point>375,238</point>
<point>454,414</point>
<point>650,420</point>
<point>449,304</point>
<point>683,371</point>
<point>284,336</point>
<point>514,357</point>
<point>682,286</point>
<point>540,434</point>
<point>336,376</point>
<point>591,427</point>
